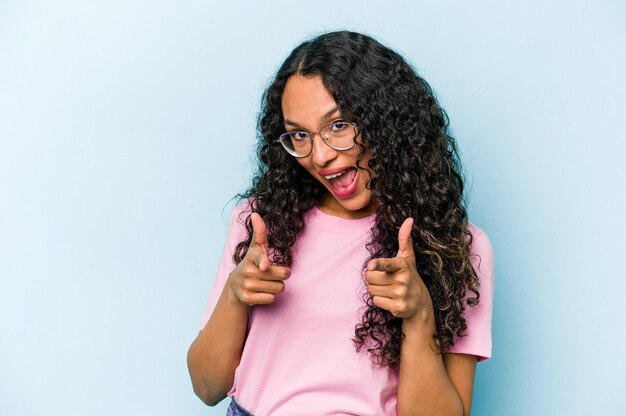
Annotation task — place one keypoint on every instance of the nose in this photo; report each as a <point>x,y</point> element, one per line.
<point>322,153</point>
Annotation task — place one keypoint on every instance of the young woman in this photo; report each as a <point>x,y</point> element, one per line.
<point>351,282</point>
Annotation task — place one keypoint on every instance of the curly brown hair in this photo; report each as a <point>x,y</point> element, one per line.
<point>416,173</point>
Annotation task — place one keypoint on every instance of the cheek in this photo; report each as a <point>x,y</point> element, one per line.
<point>364,162</point>
<point>307,164</point>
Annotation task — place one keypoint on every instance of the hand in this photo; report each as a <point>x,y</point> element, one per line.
<point>394,283</point>
<point>255,281</point>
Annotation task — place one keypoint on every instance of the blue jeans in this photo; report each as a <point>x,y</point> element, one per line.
<point>235,410</point>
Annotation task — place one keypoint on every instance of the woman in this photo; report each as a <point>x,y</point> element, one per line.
<point>350,279</point>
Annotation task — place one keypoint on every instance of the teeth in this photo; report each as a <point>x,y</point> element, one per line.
<point>335,175</point>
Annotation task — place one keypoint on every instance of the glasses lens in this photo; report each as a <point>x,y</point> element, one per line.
<point>296,143</point>
<point>339,135</point>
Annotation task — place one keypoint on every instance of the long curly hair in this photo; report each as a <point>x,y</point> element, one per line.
<point>415,173</point>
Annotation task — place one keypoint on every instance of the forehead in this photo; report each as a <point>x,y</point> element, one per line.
<point>306,100</point>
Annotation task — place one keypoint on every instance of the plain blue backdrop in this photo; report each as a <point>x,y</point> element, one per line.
<point>126,127</point>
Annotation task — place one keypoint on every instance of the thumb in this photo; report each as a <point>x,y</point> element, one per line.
<point>405,242</point>
<point>259,232</point>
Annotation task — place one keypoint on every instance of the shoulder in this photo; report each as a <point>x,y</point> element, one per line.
<point>480,240</point>
<point>241,212</point>
<point>237,223</point>
<point>477,340</point>
<point>481,251</point>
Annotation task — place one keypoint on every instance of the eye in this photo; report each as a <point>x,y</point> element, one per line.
<point>338,126</point>
<point>299,135</point>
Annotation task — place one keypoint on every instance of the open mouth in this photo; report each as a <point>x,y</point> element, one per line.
<point>343,183</point>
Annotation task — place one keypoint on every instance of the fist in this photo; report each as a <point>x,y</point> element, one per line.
<point>255,281</point>
<point>394,283</point>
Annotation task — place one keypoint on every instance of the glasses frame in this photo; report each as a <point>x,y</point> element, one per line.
<point>325,138</point>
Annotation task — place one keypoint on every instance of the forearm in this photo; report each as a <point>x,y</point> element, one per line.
<point>424,387</point>
<point>216,352</point>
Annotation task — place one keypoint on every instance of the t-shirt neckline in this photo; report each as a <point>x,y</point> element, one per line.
<point>328,222</point>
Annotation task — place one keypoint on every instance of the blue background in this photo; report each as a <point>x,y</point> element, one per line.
<point>126,127</point>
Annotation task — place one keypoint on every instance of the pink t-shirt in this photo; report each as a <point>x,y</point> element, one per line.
<point>299,358</point>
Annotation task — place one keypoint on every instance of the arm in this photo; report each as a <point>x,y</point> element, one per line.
<point>216,352</point>
<point>429,382</point>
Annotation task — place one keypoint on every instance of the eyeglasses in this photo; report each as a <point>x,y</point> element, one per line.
<point>340,135</point>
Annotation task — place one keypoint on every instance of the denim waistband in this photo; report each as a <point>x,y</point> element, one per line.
<point>235,410</point>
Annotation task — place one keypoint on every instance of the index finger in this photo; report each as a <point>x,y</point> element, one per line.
<point>276,273</point>
<point>389,265</point>
<point>259,258</point>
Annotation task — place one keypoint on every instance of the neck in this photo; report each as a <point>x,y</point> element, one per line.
<point>331,206</point>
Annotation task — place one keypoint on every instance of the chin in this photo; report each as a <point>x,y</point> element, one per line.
<point>361,205</point>
<point>356,206</point>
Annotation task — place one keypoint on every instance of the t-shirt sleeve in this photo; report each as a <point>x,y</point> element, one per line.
<point>477,340</point>
<point>236,234</point>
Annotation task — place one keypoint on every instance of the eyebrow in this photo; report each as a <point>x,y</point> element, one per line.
<point>324,117</point>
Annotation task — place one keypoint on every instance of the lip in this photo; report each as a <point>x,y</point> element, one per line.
<point>343,193</point>
<point>332,171</point>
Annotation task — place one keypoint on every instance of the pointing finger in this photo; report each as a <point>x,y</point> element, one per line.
<point>378,278</point>
<point>391,265</point>
<point>262,261</point>
<point>277,273</point>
